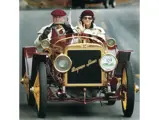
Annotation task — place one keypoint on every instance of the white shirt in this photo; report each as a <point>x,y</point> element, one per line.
<point>37,42</point>
<point>96,30</point>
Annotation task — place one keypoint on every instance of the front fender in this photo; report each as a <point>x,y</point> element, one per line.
<point>123,57</point>
<point>37,58</point>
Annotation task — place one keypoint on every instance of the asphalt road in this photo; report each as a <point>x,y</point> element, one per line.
<point>121,23</point>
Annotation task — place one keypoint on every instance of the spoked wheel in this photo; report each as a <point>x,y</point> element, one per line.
<point>129,94</point>
<point>40,90</point>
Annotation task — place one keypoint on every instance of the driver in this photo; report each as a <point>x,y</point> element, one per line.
<point>87,25</point>
<point>59,27</point>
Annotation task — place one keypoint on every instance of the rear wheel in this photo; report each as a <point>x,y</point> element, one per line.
<point>40,91</point>
<point>30,97</point>
<point>27,84</point>
<point>129,94</point>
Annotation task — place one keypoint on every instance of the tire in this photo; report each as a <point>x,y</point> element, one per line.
<point>30,96</point>
<point>113,3</point>
<point>31,100</point>
<point>41,110</point>
<point>128,81</point>
<point>82,5</point>
<point>106,3</point>
<point>74,4</point>
<point>111,102</point>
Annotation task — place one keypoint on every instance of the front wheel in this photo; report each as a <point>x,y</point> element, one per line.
<point>40,90</point>
<point>128,93</point>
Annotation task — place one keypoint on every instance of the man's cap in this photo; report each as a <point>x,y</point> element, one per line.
<point>87,13</point>
<point>58,12</point>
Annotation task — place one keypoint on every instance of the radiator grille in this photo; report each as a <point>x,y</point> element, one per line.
<point>85,67</point>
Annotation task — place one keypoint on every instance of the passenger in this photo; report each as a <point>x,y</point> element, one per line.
<point>87,25</point>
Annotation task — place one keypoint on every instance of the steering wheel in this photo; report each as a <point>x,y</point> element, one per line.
<point>80,37</point>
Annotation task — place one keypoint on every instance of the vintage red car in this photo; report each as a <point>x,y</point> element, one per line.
<point>80,68</point>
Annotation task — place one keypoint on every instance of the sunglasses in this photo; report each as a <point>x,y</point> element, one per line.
<point>89,18</point>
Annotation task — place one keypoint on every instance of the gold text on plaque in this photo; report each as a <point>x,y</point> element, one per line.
<point>90,62</point>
